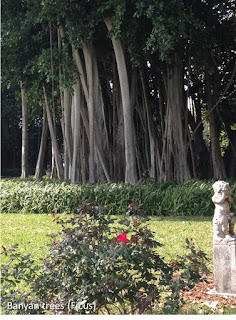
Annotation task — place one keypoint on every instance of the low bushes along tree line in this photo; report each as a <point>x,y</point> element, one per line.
<point>192,198</point>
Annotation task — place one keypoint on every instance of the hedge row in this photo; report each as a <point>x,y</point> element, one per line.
<point>192,198</point>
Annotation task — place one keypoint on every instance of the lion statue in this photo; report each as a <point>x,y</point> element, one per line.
<point>223,220</point>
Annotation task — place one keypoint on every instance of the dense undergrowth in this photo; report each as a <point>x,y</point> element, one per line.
<point>192,198</point>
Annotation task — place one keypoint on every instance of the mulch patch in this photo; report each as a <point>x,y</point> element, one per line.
<point>199,295</point>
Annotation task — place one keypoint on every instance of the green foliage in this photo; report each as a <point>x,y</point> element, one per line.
<point>171,23</point>
<point>87,266</point>
<point>192,198</point>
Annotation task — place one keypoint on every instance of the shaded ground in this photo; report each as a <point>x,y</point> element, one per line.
<point>217,303</point>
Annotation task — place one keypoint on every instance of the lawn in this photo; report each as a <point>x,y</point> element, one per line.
<point>173,232</point>
<point>31,232</point>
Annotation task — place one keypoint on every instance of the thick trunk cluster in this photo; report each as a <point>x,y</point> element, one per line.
<point>130,159</point>
<point>176,148</point>
<point>118,123</point>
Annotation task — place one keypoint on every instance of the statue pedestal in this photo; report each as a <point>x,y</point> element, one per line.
<point>225,265</point>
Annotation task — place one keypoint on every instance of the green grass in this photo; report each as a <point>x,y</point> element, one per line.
<point>172,233</point>
<point>30,232</point>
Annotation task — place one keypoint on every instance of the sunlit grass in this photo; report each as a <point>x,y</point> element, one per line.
<point>173,232</point>
<point>31,232</point>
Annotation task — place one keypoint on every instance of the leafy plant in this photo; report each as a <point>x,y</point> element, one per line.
<point>192,198</point>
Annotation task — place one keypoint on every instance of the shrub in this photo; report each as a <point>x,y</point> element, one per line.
<point>94,261</point>
<point>192,198</point>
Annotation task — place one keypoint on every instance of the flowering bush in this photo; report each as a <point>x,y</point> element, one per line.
<point>88,265</point>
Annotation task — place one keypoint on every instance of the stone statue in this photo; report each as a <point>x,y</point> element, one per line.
<point>223,220</point>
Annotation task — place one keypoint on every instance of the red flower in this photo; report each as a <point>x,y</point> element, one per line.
<point>53,214</point>
<point>191,239</point>
<point>134,239</point>
<point>111,281</point>
<point>123,238</point>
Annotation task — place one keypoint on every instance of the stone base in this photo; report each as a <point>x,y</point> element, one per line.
<point>213,291</point>
<point>225,266</point>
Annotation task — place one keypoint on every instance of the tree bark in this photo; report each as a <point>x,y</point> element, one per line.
<point>152,168</point>
<point>167,157</point>
<point>117,128</point>
<point>67,118</point>
<point>175,101</point>
<point>217,161</point>
<point>75,176</point>
<point>41,155</point>
<point>80,68</point>
<point>82,155</point>
<point>89,68</point>
<point>200,151</point>
<point>130,159</point>
<point>68,134</point>
<point>54,140</point>
<point>25,136</point>
<point>97,139</point>
<point>100,129</point>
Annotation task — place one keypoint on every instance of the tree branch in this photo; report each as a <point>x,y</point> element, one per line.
<point>217,103</point>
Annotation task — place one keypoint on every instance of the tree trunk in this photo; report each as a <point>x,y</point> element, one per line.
<point>217,161</point>
<point>68,131</point>
<point>130,159</point>
<point>25,137</point>
<point>54,167</point>
<point>117,128</point>
<point>68,134</point>
<point>175,101</point>
<point>41,155</point>
<point>54,140</point>
<point>80,68</point>
<point>100,129</point>
<point>167,156</point>
<point>82,155</point>
<point>75,176</point>
<point>200,151</point>
<point>89,68</point>
<point>97,138</point>
<point>152,168</point>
